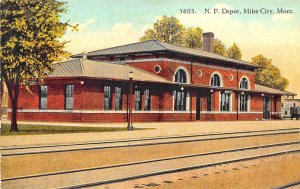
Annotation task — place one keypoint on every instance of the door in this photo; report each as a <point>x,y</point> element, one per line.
<point>266,110</point>
<point>198,107</point>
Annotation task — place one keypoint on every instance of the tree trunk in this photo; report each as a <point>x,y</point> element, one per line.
<point>13,91</point>
<point>13,123</point>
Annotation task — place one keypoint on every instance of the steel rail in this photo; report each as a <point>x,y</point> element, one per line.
<point>153,160</point>
<point>146,144</point>
<point>144,139</point>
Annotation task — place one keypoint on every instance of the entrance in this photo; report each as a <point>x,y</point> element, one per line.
<point>266,110</point>
<point>198,107</point>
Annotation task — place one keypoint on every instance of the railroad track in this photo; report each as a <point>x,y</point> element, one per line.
<point>123,172</point>
<point>25,150</point>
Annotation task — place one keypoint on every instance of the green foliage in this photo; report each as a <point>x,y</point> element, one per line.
<point>234,52</point>
<point>30,33</point>
<point>167,29</point>
<point>268,74</point>
<point>219,47</point>
<point>192,37</point>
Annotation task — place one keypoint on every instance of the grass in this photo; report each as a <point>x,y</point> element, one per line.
<point>50,129</point>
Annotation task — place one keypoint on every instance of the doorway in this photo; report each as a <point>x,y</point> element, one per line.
<point>198,107</point>
<point>266,110</point>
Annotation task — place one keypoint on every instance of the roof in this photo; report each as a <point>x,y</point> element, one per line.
<point>96,69</point>
<point>264,89</point>
<point>158,46</point>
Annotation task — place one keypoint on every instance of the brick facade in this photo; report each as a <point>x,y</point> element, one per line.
<point>89,94</point>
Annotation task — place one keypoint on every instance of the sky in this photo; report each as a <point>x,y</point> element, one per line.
<point>108,23</point>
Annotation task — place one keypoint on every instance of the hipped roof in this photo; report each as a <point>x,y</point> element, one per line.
<point>154,46</point>
<point>104,70</point>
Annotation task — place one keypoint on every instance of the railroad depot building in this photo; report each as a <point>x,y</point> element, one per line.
<point>169,83</point>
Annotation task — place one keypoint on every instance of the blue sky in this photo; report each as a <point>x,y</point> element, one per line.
<point>141,12</point>
<point>107,23</point>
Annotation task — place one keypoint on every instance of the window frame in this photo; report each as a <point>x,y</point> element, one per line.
<point>72,94</point>
<point>181,76</point>
<point>137,103</point>
<point>107,92</point>
<point>244,103</point>
<point>225,102</point>
<point>118,91</point>
<point>41,97</point>
<point>213,80</point>
<point>180,104</point>
<point>147,99</point>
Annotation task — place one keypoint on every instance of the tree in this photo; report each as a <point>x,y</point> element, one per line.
<point>166,29</point>
<point>219,47</point>
<point>267,74</point>
<point>234,52</point>
<point>30,32</point>
<point>192,37</point>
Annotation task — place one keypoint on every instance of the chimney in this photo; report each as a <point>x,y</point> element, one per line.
<point>208,41</point>
<point>84,55</point>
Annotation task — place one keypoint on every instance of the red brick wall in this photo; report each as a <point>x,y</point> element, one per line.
<point>89,96</point>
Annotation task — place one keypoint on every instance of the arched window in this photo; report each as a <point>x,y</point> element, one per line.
<point>244,98</point>
<point>180,94</point>
<point>180,76</point>
<point>215,80</point>
<point>244,84</point>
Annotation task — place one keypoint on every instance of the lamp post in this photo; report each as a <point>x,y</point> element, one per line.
<point>130,126</point>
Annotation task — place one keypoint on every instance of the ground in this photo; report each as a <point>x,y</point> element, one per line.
<point>260,173</point>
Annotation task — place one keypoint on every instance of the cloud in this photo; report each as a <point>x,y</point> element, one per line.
<point>87,40</point>
<point>282,17</point>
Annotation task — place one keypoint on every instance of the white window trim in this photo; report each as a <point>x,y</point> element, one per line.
<point>246,77</point>
<point>188,79</point>
<point>220,75</point>
<point>187,104</point>
<point>230,103</point>
<point>248,103</point>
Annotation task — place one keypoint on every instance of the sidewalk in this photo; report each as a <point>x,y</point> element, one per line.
<point>160,129</point>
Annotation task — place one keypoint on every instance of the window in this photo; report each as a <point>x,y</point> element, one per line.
<point>180,76</point>
<point>244,98</point>
<point>157,68</point>
<point>118,93</point>
<point>179,100</point>
<point>69,97</point>
<point>44,97</point>
<point>244,83</point>
<point>199,73</point>
<point>244,102</point>
<point>107,98</point>
<point>138,102</point>
<point>147,96</point>
<point>215,80</point>
<point>225,101</point>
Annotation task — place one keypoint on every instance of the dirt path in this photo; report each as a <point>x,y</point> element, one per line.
<point>262,173</point>
<point>271,173</point>
<point>44,163</point>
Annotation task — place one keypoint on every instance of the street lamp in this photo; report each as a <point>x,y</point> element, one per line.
<point>130,126</point>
